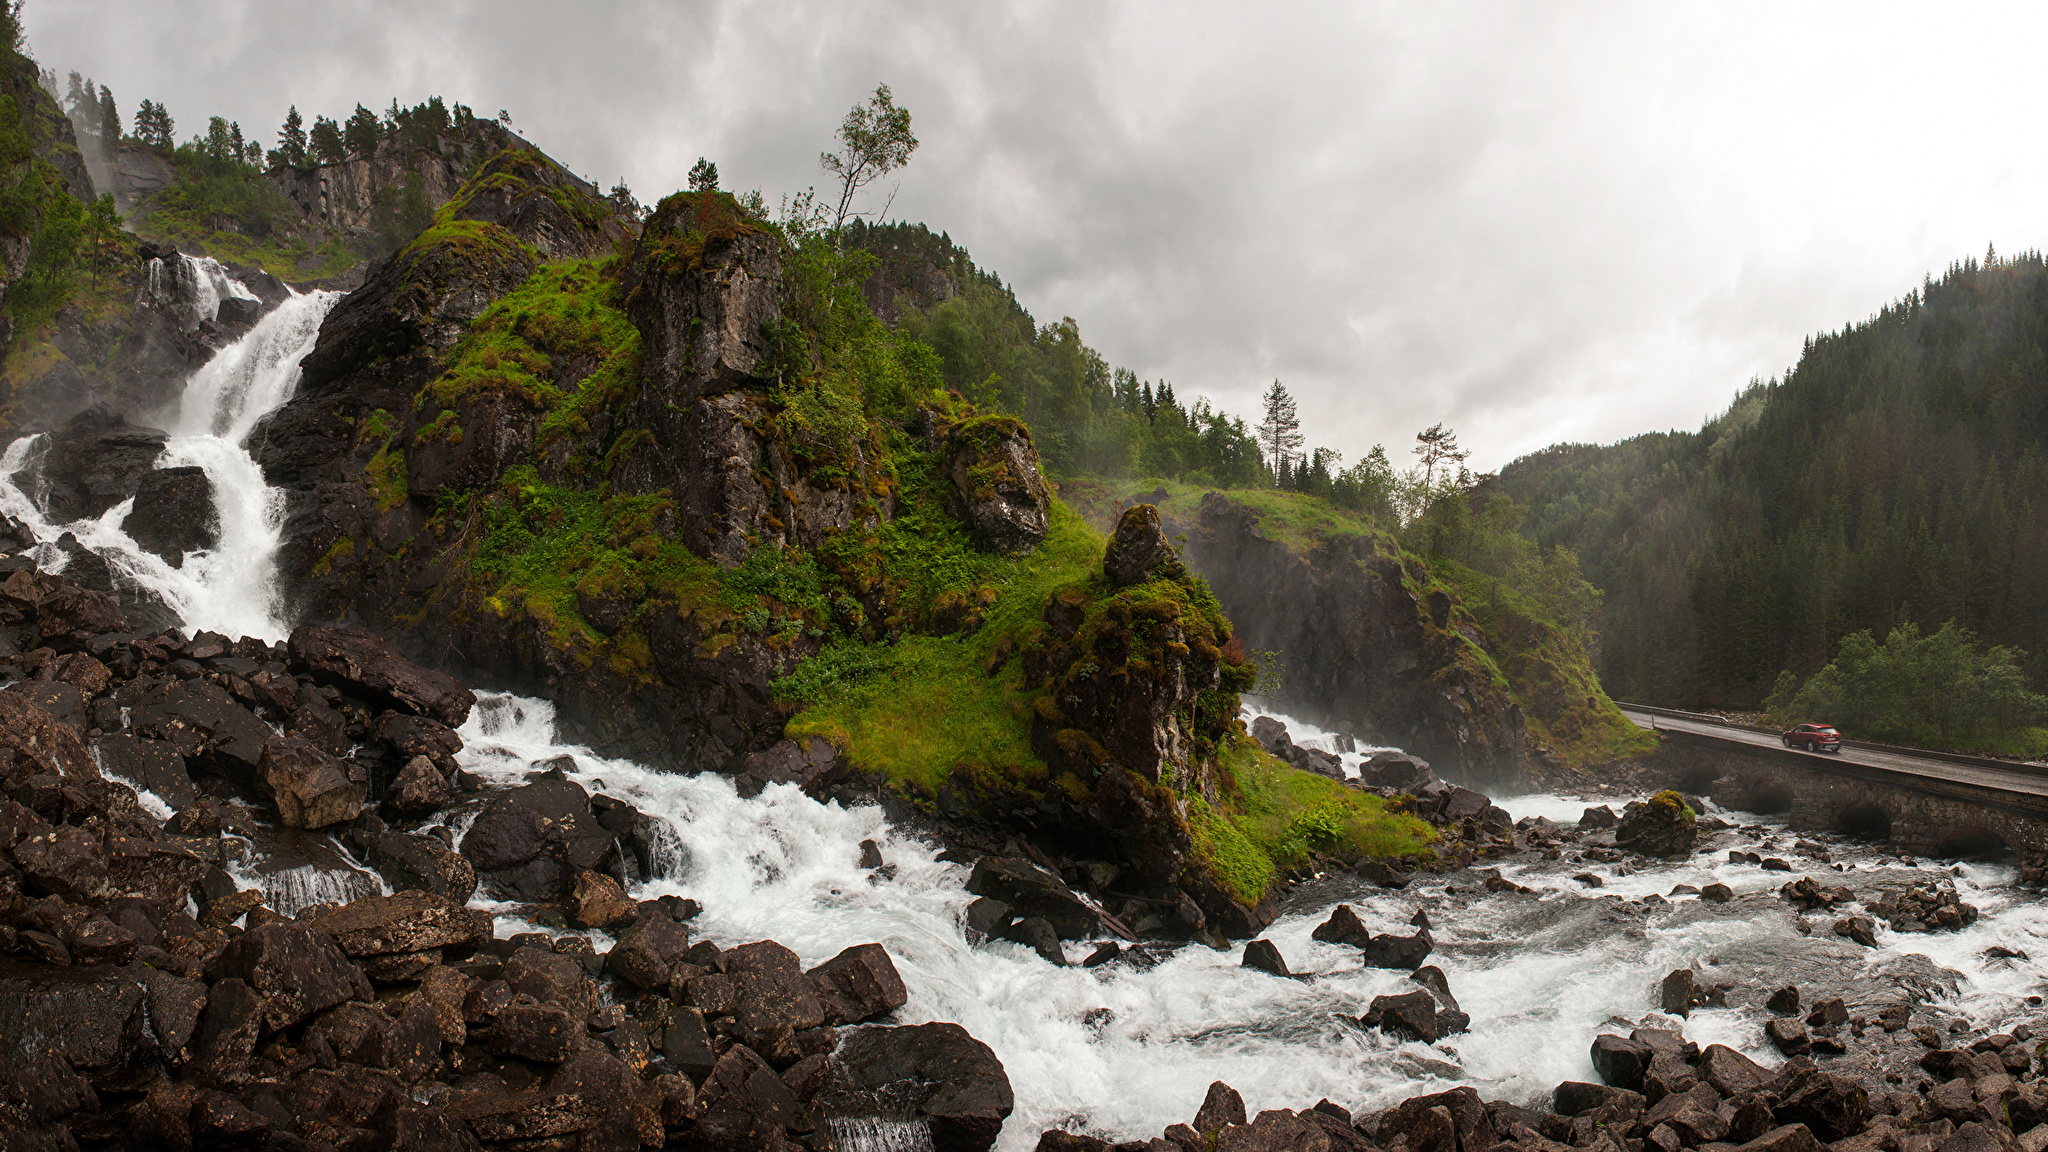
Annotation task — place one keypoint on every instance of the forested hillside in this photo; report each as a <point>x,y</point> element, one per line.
<point>1895,476</point>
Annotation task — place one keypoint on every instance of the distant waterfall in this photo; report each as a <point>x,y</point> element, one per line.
<point>231,588</point>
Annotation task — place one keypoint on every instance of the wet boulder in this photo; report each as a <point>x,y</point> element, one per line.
<point>366,666</point>
<point>1343,927</point>
<point>531,841</point>
<point>934,1071</point>
<point>310,788</point>
<point>859,984</point>
<point>153,765</point>
<point>648,951</point>
<point>406,922</point>
<point>173,513</point>
<point>414,863</point>
<point>206,726</point>
<point>1663,825</point>
<point>51,746</point>
<point>598,901</point>
<point>1002,495</point>
<point>95,1019</point>
<point>812,766</point>
<point>552,978</point>
<point>1031,891</point>
<point>421,788</point>
<point>1390,951</point>
<point>72,612</point>
<point>775,1000</point>
<point>1597,819</point>
<point>1620,1061</point>
<point>1397,771</point>
<point>1730,1072</point>
<point>295,970</point>
<point>532,1029</point>
<point>742,1094</point>
<point>411,736</point>
<point>1264,956</point>
<point>94,462</point>
<point>61,702</point>
<point>64,861</point>
<point>1833,1107</point>
<point>1410,1015</point>
<point>36,1096</point>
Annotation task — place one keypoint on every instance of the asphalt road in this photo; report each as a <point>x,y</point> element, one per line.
<point>2028,782</point>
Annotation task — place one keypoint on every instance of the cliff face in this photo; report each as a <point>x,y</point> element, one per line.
<point>1366,646</point>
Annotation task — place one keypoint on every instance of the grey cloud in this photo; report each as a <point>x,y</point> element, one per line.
<point>1535,222</point>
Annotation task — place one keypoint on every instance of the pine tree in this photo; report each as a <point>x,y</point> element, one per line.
<point>110,118</point>
<point>326,141</point>
<point>291,139</point>
<point>1436,445</point>
<point>360,136</point>
<point>1280,429</point>
<point>703,176</point>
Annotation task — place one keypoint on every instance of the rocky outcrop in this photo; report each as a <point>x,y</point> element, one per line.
<point>94,462</point>
<point>706,289</point>
<point>174,513</point>
<point>994,469</point>
<point>1365,649</point>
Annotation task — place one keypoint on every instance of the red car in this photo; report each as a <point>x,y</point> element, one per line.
<point>1814,738</point>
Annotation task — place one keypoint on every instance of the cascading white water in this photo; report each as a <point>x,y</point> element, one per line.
<point>195,286</point>
<point>1122,1052</point>
<point>230,588</point>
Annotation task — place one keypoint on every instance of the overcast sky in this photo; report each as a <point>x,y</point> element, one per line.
<point>1533,221</point>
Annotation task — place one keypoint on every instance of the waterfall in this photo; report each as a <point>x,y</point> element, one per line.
<point>232,587</point>
<point>194,286</point>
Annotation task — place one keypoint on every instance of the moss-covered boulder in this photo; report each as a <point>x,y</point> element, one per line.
<point>1663,825</point>
<point>1002,493</point>
<point>1139,548</point>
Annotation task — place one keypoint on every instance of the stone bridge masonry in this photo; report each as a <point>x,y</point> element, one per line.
<point>1922,814</point>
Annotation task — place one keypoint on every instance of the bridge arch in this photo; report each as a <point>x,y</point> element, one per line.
<point>1866,820</point>
<point>1770,796</point>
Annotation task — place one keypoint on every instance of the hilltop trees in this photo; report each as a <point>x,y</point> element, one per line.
<point>703,176</point>
<point>154,126</point>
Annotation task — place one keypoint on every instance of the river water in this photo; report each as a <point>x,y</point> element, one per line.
<point>1123,1051</point>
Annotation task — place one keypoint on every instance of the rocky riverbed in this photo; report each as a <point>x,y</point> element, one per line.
<point>310,894</point>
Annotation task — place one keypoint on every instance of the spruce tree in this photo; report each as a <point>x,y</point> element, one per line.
<point>291,139</point>
<point>703,176</point>
<point>326,141</point>
<point>360,136</point>
<point>1280,429</point>
<point>110,118</point>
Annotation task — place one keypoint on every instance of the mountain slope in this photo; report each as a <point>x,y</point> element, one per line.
<point>1898,474</point>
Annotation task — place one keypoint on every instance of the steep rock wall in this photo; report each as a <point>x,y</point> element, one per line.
<point>1362,648</point>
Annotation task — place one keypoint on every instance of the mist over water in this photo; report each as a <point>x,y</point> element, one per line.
<point>230,588</point>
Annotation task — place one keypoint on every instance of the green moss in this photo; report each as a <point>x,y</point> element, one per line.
<point>560,344</point>
<point>919,709</point>
<point>342,549</point>
<point>385,476</point>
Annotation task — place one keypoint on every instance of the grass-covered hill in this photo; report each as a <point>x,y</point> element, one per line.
<point>687,482</point>
<point>1897,475</point>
